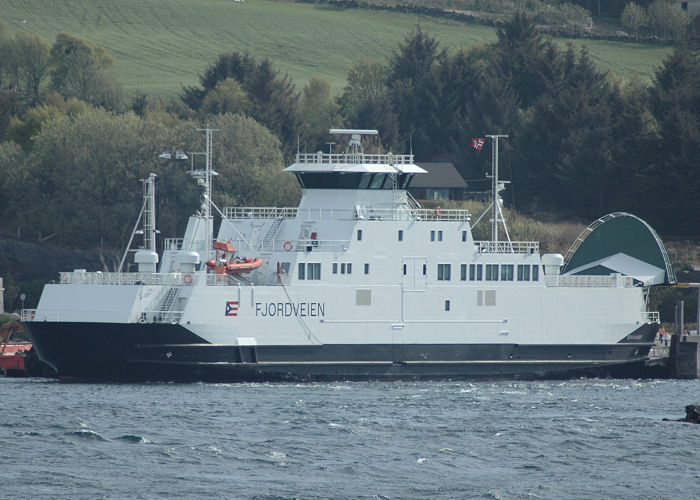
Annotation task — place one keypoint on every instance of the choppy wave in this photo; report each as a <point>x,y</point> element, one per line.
<point>575,439</point>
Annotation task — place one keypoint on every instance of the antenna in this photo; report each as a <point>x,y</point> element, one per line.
<point>354,150</point>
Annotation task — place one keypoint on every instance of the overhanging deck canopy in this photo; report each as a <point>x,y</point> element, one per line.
<point>621,243</point>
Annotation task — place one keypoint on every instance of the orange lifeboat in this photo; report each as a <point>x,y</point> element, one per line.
<point>243,265</point>
<point>226,263</point>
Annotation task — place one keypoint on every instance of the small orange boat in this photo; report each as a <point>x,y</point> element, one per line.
<point>12,354</point>
<point>226,263</point>
<point>244,265</point>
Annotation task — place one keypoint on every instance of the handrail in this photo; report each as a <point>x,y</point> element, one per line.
<point>507,246</point>
<point>27,314</point>
<point>651,316</point>
<point>354,158</point>
<point>589,281</point>
<point>403,212</point>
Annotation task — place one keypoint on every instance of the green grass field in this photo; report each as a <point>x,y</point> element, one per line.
<point>160,45</point>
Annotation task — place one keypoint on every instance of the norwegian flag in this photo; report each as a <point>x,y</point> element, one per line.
<point>478,143</point>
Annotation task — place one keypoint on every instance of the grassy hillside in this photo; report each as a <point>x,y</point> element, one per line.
<point>160,45</point>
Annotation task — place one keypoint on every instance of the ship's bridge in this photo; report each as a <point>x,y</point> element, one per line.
<point>354,170</point>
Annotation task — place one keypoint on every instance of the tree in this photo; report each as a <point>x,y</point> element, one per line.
<point>415,90</point>
<point>250,165</point>
<point>319,112</point>
<point>5,56</point>
<point>83,176</point>
<point>668,19</point>
<point>366,102</point>
<point>79,70</point>
<point>226,97</point>
<point>273,98</point>
<point>31,55</point>
<point>12,104</point>
<point>634,17</point>
<point>524,59</point>
<point>23,130</point>
<point>675,178</point>
<point>473,101</point>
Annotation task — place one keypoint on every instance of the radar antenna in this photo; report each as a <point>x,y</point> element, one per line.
<point>354,152</point>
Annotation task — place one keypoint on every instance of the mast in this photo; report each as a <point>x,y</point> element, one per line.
<point>204,179</point>
<point>496,187</point>
<point>149,213</point>
<point>147,216</point>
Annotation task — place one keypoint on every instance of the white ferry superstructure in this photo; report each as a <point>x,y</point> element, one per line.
<point>357,282</point>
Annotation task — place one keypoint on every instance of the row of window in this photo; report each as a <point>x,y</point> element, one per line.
<point>352,180</point>
<point>494,272</point>
<point>435,235</point>
<point>312,270</point>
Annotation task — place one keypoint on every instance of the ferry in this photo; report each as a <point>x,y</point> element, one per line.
<point>358,282</point>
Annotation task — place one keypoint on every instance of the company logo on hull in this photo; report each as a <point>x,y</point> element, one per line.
<point>303,309</point>
<point>232,308</point>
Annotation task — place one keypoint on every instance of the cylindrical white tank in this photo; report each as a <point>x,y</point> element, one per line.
<point>552,263</point>
<point>186,262</point>
<point>147,260</point>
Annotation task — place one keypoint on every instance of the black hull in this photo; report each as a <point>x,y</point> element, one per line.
<point>163,352</point>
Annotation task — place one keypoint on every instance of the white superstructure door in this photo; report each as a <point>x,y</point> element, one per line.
<point>415,273</point>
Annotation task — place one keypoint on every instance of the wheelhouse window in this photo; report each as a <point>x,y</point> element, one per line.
<point>523,272</point>
<point>351,180</point>
<point>443,272</point>
<point>491,272</point>
<point>475,272</point>
<point>507,272</point>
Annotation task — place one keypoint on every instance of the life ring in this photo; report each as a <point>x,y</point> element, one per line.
<point>288,245</point>
<point>187,279</point>
<point>438,211</point>
<point>64,277</point>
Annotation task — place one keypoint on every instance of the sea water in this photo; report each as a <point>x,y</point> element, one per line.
<point>574,439</point>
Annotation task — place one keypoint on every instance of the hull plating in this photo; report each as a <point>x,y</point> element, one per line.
<point>158,352</point>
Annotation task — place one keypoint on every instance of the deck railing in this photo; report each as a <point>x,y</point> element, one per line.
<point>27,314</point>
<point>583,281</point>
<point>167,279</point>
<point>507,246</point>
<point>358,213</point>
<point>354,158</point>
<point>651,316</point>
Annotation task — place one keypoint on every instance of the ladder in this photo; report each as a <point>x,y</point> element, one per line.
<point>267,241</point>
<point>170,296</point>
